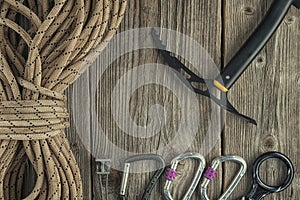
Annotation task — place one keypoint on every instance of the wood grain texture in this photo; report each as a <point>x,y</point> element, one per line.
<point>268,92</point>
<point>76,135</point>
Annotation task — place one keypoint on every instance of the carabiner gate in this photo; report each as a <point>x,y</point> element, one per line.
<point>171,174</point>
<point>211,172</point>
<point>154,179</point>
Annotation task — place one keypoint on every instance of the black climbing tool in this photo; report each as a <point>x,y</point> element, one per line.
<point>239,62</point>
<point>259,188</point>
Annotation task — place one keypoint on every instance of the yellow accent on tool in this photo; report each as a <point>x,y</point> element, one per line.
<point>220,86</point>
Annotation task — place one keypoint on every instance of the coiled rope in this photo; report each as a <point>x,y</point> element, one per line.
<point>43,44</point>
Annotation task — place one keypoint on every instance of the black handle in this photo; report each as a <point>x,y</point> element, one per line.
<point>256,42</point>
<point>297,4</point>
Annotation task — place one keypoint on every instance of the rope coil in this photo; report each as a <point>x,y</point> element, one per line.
<point>44,47</point>
<point>21,126</point>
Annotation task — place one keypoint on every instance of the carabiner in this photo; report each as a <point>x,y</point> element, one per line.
<point>211,172</point>
<point>154,179</point>
<point>171,174</point>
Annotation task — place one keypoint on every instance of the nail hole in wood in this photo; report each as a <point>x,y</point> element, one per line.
<point>298,79</point>
<point>260,60</point>
<point>248,10</point>
<point>290,20</point>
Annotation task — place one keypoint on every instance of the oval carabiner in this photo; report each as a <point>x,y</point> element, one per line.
<point>154,179</point>
<point>171,174</point>
<point>211,172</point>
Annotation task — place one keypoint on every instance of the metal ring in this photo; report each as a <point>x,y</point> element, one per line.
<point>287,162</point>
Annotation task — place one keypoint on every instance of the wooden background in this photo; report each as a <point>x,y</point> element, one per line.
<point>268,92</point>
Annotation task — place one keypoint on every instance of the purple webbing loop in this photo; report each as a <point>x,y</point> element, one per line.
<point>170,174</point>
<point>210,173</point>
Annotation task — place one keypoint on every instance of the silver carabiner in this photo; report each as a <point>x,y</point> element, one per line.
<point>171,174</point>
<point>211,172</point>
<point>150,186</point>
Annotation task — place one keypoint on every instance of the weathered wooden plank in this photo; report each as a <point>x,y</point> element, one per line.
<point>200,20</point>
<point>273,75</point>
<point>268,92</point>
<point>76,133</point>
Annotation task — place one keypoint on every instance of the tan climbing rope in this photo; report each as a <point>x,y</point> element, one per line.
<point>43,44</point>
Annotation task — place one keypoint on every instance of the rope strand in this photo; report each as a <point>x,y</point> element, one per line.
<point>43,47</point>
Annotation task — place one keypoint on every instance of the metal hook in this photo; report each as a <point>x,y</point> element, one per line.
<point>154,179</point>
<point>211,172</point>
<point>171,174</point>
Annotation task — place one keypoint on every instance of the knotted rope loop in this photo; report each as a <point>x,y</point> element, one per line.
<point>42,90</point>
<point>44,48</point>
<point>32,119</point>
